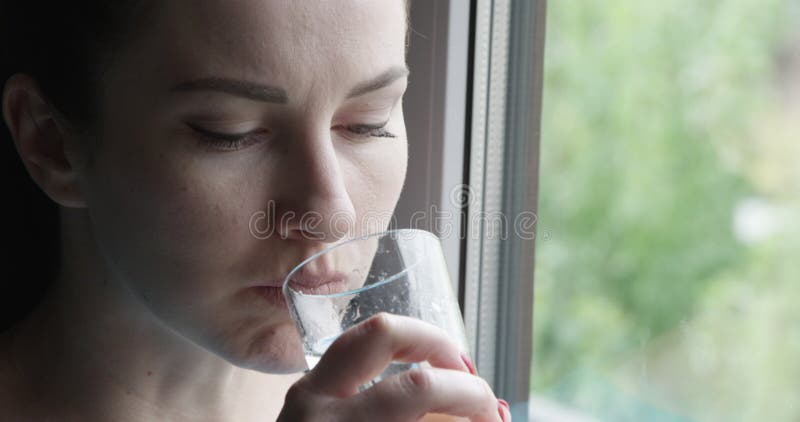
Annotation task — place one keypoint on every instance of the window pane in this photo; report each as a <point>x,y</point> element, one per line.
<point>667,261</point>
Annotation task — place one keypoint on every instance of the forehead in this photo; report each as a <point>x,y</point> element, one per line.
<point>300,45</point>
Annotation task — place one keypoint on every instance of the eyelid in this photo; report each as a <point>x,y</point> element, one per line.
<point>354,116</point>
<point>220,135</point>
<point>362,125</point>
<point>229,142</point>
<point>374,109</point>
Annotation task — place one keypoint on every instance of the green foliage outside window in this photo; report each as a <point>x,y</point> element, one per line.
<point>660,120</point>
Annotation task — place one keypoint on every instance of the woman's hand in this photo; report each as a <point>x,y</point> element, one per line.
<point>329,392</point>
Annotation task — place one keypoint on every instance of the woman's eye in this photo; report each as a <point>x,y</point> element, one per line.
<point>229,141</point>
<point>369,131</point>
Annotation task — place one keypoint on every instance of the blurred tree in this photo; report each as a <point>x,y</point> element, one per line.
<point>648,112</point>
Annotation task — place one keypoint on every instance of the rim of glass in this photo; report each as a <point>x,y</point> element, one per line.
<point>393,277</point>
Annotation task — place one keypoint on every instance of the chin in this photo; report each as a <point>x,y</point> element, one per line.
<point>275,350</point>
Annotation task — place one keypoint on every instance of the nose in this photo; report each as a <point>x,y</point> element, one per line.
<point>313,203</point>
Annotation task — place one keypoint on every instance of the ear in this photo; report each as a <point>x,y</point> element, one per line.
<point>50,152</point>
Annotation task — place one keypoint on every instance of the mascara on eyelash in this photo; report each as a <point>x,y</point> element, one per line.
<point>229,142</point>
<point>217,135</point>
<point>378,130</point>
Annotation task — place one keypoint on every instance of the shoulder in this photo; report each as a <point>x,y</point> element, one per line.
<point>11,381</point>
<point>17,386</point>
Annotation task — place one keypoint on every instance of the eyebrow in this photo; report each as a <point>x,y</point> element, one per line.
<point>384,79</point>
<point>272,94</point>
<point>249,90</point>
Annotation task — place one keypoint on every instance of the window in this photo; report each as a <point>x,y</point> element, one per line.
<point>667,281</point>
<point>666,242</point>
<point>473,114</point>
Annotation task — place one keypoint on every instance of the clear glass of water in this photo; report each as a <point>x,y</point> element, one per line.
<point>401,272</point>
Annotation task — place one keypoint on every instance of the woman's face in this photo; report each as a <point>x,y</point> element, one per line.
<point>198,221</point>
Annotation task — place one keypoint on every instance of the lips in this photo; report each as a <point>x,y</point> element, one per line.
<point>318,284</point>
<point>306,283</point>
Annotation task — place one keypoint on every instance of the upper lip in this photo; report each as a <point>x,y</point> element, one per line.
<point>311,280</point>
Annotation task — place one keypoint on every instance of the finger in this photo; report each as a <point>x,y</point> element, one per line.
<point>410,395</point>
<point>504,409</point>
<point>363,351</point>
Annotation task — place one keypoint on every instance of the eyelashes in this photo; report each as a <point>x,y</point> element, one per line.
<point>375,131</point>
<point>228,141</point>
<point>235,141</point>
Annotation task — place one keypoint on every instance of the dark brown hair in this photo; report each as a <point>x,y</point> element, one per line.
<point>66,47</point>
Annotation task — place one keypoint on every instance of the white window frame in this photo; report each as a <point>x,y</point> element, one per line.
<point>473,116</point>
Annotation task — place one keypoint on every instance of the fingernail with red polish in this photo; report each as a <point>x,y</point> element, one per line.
<point>469,364</point>
<point>503,409</point>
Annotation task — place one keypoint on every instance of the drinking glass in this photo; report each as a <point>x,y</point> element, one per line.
<point>401,272</point>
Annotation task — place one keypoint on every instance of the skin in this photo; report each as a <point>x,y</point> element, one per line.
<point>154,315</point>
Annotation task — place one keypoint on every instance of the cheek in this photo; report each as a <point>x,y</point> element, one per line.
<point>175,232</point>
<point>164,221</point>
<point>374,181</point>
